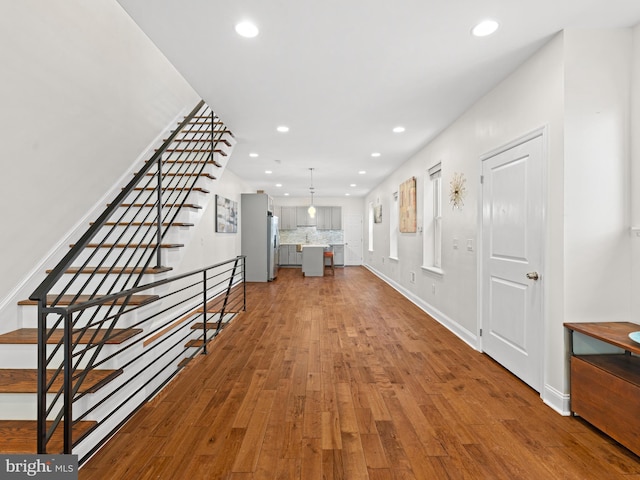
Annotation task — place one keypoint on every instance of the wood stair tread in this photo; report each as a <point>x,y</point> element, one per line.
<point>70,299</point>
<point>205,175</point>
<point>132,245</point>
<point>153,205</point>
<point>21,380</point>
<point>204,120</point>
<point>195,150</point>
<point>195,162</point>
<point>210,325</point>
<point>117,270</point>
<point>172,189</point>
<point>19,436</point>
<point>148,224</point>
<point>218,140</point>
<point>29,336</point>
<point>197,343</point>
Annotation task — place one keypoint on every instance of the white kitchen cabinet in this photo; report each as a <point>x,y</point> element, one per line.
<point>303,219</point>
<point>338,255</point>
<point>288,218</point>
<point>323,218</point>
<point>289,255</point>
<point>329,218</point>
<point>336,218</point>
<point>283,255</point>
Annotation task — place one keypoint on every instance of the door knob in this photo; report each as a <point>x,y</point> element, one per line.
<point>533,276</point>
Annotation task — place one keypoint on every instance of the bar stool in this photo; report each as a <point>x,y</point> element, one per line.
<point>329,254</point>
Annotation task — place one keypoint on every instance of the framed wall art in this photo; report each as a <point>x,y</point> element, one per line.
<point>226,215</point>
<point>408,210</point>
<point>377,213</point>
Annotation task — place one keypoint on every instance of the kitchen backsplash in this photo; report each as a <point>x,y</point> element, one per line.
<point>311,235</point>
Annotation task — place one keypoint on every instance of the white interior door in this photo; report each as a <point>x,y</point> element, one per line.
<point>512,233</point>
<point>353,239</point>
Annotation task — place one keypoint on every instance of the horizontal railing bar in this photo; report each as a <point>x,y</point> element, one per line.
<point>133,291</point>
<point>139,372</point>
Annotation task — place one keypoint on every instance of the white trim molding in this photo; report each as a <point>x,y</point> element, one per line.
<point>462,333</point>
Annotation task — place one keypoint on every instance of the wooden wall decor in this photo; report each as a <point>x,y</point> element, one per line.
<point>408,210</point>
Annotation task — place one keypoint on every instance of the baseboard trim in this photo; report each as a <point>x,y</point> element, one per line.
<point>465,335</point>
<point>558,401</point>
<point>553,398</point>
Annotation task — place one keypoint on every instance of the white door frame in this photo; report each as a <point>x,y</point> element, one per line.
<point>542,131</point>
<point>347,236</point>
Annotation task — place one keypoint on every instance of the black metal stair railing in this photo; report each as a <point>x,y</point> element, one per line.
<point>194,309</point>
<point>83,294</point>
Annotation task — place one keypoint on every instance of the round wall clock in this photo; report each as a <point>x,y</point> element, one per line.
<point>457,190</point>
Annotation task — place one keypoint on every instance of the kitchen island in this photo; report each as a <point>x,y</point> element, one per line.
<point>313,260</point>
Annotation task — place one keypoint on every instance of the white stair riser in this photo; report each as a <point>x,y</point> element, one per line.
<point>23,406</point>
<point>138,234</point>
<point>29,316</point>
<point>125,256</point>
<point>179,171</point>
<point>168,196</point>
<point>148,214</point>
<point>84,283</point>
<point>26,356</point>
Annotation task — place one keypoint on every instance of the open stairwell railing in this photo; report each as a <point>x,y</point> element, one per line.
<point>108,341</point>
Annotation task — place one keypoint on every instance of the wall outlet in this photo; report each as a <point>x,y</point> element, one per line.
<point>433,288</point>
<point>455,243</point>
<point>470,244</point>
<point>412,277</point>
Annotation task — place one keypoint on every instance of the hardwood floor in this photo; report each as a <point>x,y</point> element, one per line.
<point>340,377</point>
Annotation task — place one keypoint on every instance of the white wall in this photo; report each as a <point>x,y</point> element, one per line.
<point>597,166</point>
<point>587,207</point>
<point>84,92</point>
<point>208,247</point>
<point>635,173</point>
<point>529,99</point>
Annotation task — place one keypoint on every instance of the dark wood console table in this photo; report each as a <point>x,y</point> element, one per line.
<point>605,388</point>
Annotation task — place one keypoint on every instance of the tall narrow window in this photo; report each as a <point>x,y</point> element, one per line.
<point>371,227</point>
<point>432,241</point>
<point>394,226</point>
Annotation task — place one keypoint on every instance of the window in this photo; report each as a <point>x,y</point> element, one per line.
<point>432,240</point>
<point>371,227</point>
<point>394,226</point>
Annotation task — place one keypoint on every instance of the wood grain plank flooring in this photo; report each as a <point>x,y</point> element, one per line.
<point>340,377</point>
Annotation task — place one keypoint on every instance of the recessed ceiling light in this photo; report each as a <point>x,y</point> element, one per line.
<point>485,28</point>
<point>361,172</point>
<point>278,185</point>
<point>268,172</point>
<point>286,194</point>
<point>253,155</point>
<point>283,129</point>
<point>375,154</point>
<point>247,29</point>
<point>398,129</point>
<point>353,185</point>
<point>347,194</point>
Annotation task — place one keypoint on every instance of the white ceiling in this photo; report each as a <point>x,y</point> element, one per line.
<point>342,74</point>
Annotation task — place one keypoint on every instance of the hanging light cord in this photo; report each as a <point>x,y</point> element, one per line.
<point>312,209</point>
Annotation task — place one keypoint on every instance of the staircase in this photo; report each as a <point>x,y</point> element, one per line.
<point>109,326</point>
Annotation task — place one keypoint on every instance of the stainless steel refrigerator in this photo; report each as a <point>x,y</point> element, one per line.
<point>274,244</point>
<point>260,237</point>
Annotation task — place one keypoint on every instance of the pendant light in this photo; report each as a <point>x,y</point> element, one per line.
<point>312,210</point>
